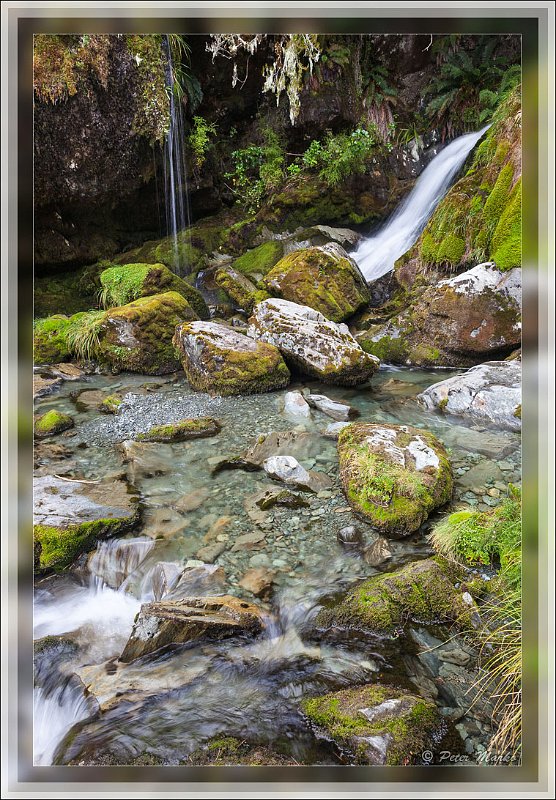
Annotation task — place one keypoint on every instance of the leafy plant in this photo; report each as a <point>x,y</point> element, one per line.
<point>258,170</point>
<point>82,335</point>
<point>200,139</point>
<point>340,156</point>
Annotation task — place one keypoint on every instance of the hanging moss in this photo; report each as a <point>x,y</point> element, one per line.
<point>498,198</point>
<point>506,241</point>
<point>153,118</point>
<point>450,250</point>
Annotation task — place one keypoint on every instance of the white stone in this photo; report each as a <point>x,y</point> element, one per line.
<point>423,454</point>
<point>295,405</point>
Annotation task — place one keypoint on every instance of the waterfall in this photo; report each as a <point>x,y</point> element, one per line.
<point>176,190</point>
<point>378,254</point>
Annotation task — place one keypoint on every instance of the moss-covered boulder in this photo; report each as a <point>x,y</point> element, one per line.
<point>459,322</point>
<point>311,343</point>
<point>70,517</point>
<point>324,278</point>
<point>181,431</point>
<point>240,289</point>
<point>111,404</point>
<point>393,475</point>
<point>219,360</point>
<point>51,423</point>
<point>137,337</point>
<point>49,340</point>
<point>376,724</point>
<point>423,592</point>
<point>122,284</point>
<point>260,260</point>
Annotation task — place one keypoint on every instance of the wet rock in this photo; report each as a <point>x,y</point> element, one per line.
<point>376,724</point>
<point>323,278</point>
<point>51,423</point>
<point>211,552</point>
<point>185,429</point>
<point>295,405</point>
<point>490,392</point>
<point>111,404</point>
<point>222,463</point>
<point>145,460</point>
<point>190,619</point>
<point>378,552</point>
<point>43,386</point>
<point>89,400</point>
<point>312,343</point>
<point>162,523</point>
<point>269,498</point>
<point>459,322</point>
<point>258,581</point>
<point>71,516</point>
<point>249,541</point>
<point>279,443</point>
<point>113,561</point>
<point>393,475</point>
<point>201,580</point>
<point>219,360</point>
<point>67,371</point>
<point>191,501</point>
<point>137,337</point>
<point>161,579</point>
<point>217,528</point>
<point>288,470</point>
<point>420,591</point>
<point>492,444</point>
<point>332,431</point>
<point>350,535</point>
<point>341,412</point>
<point>239,288</point>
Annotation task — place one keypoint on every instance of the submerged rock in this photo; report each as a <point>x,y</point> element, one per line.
<point>218,359</point>
<point>196,581</point>
<point>324,278</point>
<point>122,284</point>
<point>376,724</point>
<point>163,623</point>
<point>332,431</point>
<point>181,431</point>
<point>393,475</point>
<point>51,423</point>
<point>310,342</point>
<point>145,460</point>
<point>341,412</point>
<point>137,337</point>
<point>490,392</point>
<point>71,516</point>
<point>423,592</point>
<point>458,322</point>
<point>268,498</point>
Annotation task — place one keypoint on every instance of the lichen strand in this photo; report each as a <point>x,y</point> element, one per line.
<point>51,423</point>
<point>123,284</point>
<point>49,340</point>
<point>422,592</point>
<point>396,499</point>
<point>479,219</point>
<point>181,431</point>
<point>321,280</point>
<point>137,337</point>
<point>57,548</point>
<point>406,728</point>
<point>152,119</point>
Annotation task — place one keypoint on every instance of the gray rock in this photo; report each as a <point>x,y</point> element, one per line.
<point>332,431</point>
<point>341,412</point>
<point>489,392</point>
<point>295,405</point>
<point>288,470</point>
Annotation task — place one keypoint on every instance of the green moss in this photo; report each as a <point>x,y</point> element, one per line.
<point>181,431</point>
<point>517,412</point>
<point>111,404</point>
<point>122,284</point>
<point>239,289</point>
<point>320,280</point>
<point>57,548</point>
<point>421,591</point>
<point>498,198</point>
<point>339,715</point>
<point>152,118</point>
<point>49,340</point>
<point>506,240</point>
<point>428,249</point>
<point>389,349</point>
<point>51,423</point>
<point>443,403</point>
<point>450,250</point>
<point>261,259</point>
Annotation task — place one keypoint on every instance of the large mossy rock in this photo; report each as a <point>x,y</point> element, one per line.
<point>70,517</point>
<point>49,340</point>
<point>192,618</point>
<point>376,724</point>
<point>51,423</point>
<point>490,393</point>
<point>423,592</point>
<point>122,284</point>
<point>137,337</point>
<point>459,322</point>
<point>219,360</point>
<point>311,343</point>
<point>324,278</point>
<point>393,475</point>
<point>239,288</point>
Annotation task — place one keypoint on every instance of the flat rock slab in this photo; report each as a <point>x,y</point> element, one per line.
<point>341,412</point>
<point>489,392</point>
<point>190,619</point>
<point>70,516</point>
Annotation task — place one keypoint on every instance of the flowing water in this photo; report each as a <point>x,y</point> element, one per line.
<point>377,255</point>
<point>164,706</point>
<point>176,190</point>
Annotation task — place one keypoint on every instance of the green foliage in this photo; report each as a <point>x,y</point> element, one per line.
<point>200,139</point>
<point>258,170</point>
<point>122,284</point>
<point>82,334</point>
<point>152,120</point>
<point>49,340</point>
<point>450,250</point>
<point>60,63</point>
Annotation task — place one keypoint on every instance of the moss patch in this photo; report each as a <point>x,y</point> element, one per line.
<point>49,340</point>
<point>181,431</point>
<point>51,423</point>
<point>111,404</point>
<point>240,289</point>
<point>421,592</point>
<point>404,723</point>
<point>260,260</point>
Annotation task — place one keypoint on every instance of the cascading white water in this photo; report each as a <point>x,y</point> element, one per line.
<point>377,255</point>
<point>54,713</point>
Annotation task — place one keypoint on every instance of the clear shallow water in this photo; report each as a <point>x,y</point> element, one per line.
<point>169,704</point>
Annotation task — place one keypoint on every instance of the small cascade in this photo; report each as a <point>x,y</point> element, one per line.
<point>56,709</point>
<point>377,255</point>
<point>176,190</point>
<point>113,561</point>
